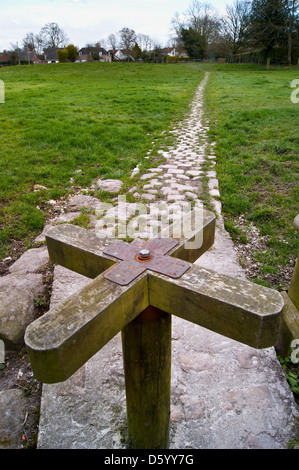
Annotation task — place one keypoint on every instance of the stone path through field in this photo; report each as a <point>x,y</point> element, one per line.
<point>225,395</point>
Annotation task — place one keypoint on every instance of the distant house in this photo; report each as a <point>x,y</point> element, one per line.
<point>51,55</point>
<point>104,56</point>
<point>90,53</point>
<point>19,57</point>
<point>121,55</point>
<point>5,56</point>
<point>29,56</point>
<point>173,52</point>
<point>168,51</point>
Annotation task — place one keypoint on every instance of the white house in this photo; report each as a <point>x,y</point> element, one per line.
<point>173,52</point>
<point>90,53</point>
<point>120,55</point>
<point>51,55</point>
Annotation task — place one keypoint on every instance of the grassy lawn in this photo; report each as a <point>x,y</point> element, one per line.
<point>65,125</point>
<point>256,129</point>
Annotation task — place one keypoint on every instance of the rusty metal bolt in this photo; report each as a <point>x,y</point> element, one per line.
<point>144,254</point>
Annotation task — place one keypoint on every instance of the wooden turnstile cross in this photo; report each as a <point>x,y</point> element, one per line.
<point>63,339</point>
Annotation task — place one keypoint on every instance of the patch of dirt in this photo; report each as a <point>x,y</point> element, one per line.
<point>50,209</point>
<point>257,242</point>
<point>17,373</point>
<point>17,249</point>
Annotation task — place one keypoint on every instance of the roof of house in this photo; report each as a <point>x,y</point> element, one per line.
<point>91,50</point>
<point>173,50</point>
<point>4,56</point>
<point>51,53</point>
<point>24,55</point>
<point>167,50</point>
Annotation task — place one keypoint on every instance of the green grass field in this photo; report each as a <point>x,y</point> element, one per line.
<point>79,122</point>
<point>256,129</point>
<point>65,125</point>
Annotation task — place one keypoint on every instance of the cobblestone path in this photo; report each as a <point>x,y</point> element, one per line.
<point>224,394</point>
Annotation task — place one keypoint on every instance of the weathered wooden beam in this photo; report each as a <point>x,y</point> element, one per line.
<point>289,327</point>
<point>147,364</point>
<point>78,249</point>
<point>81,251</point>
<point>63,339</point>
<point>67,336</point>
<point>293,291</point>
<point>58,342</point>
<point>197,234</point>
<point>238,309</point>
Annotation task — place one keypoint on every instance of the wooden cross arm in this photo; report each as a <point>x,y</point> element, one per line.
<point>81,251</point>
<point>78,249</point>
<point>238,309</point>
<point>58,343</point>
<point>65,337</point>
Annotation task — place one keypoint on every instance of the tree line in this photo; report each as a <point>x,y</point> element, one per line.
<point>258,28</point>
<point>133,45</point>
<point>248,30</point>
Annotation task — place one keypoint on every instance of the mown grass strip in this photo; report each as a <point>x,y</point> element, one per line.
<point>255,126</point>
<point>65,125</point>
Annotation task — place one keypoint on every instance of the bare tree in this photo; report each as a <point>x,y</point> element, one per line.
<point>291,21</point>
<point>33,42</point>
<point>112,41</point>
<point>234,25</point>
<point>144,41</point>
<point>15,53</point>
<point>148,41</point>
<point>202,18</point>
<point>29,42</point>
<point>53,36</point>
<point>274,23</point>
<point>101,44</point>
<point>196,28</point>
<point>127,40</point>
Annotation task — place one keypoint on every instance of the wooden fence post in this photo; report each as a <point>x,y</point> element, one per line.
<point>137,294</point>
<point>147,363</point>
<point>289,328</point>
<point>268,63</point>
<point>294,286</point>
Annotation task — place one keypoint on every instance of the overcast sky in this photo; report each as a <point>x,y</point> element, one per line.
<point>88,21</point>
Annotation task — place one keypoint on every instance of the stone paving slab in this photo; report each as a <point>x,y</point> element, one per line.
<point>11,418</point>
<point>224,395</point>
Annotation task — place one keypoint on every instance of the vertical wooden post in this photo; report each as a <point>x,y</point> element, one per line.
<point>294,286</point>
<point>147,363</point>
<point>268,63</point>
<point>289,326</point>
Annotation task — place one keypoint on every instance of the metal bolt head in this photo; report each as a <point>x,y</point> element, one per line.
<point>144,254</point>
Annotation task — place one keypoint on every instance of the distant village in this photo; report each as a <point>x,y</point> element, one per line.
<point>251,32</point>
<point>88,54</point>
